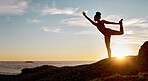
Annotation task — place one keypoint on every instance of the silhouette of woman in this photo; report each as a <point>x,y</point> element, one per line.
<point>105,31</point>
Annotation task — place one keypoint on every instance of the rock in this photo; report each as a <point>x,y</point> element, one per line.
<point>102,68</point>
<point>28,61</point>
<point>38,69</point>
<point>143,54</point>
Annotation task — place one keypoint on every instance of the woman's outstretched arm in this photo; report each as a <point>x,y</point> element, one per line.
<point>88,18</point>
<point>108,22</point>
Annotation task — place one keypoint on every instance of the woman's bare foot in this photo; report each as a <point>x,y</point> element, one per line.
<point>120,22</point>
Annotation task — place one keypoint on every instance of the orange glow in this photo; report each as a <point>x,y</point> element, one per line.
<point>120,51</point>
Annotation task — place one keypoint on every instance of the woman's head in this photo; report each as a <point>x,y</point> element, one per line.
<point>97,16</point>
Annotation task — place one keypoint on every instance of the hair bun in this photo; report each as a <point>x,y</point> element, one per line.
<point>98,13</point>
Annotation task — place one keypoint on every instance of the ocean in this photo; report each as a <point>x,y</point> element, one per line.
<point>15,67</point>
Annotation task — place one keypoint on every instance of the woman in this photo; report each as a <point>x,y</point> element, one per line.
<point>105,31</point>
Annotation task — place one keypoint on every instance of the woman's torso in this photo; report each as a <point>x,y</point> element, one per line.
<point>101,27</point>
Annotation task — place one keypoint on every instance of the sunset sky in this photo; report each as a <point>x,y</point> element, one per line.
<point>55,30</point>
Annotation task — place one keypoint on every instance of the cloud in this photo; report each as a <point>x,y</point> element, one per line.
<point>66,11</point>
<point>138,26</point>
<point>46,29</point>
<point>129,22</point>
<point>33,21</point>
<point>113,18</point>
<point>13,7</point>
<point>136,22</point>
<point>142,22</point>
<point>76,21</point>
<point>128,32</point>
<point>86,33</point>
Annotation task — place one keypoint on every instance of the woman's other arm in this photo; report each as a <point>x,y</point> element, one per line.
<point>108,22</point>
<point>89,19</point>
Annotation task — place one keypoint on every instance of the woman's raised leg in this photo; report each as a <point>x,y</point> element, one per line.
<point>121,27</point>
<point>114,32</point>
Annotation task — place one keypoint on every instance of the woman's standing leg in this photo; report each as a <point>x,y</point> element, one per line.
<point>107,42</point>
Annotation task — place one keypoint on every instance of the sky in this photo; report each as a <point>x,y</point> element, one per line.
<point>55,30</point>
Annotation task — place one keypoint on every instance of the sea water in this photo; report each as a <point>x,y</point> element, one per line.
<point>15,67</point>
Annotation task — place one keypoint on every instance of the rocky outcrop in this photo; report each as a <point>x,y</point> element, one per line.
<point>100,69</point>
<point>38,69</point>
<point>143,56</point>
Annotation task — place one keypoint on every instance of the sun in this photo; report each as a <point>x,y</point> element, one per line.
<point>120,51</point>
